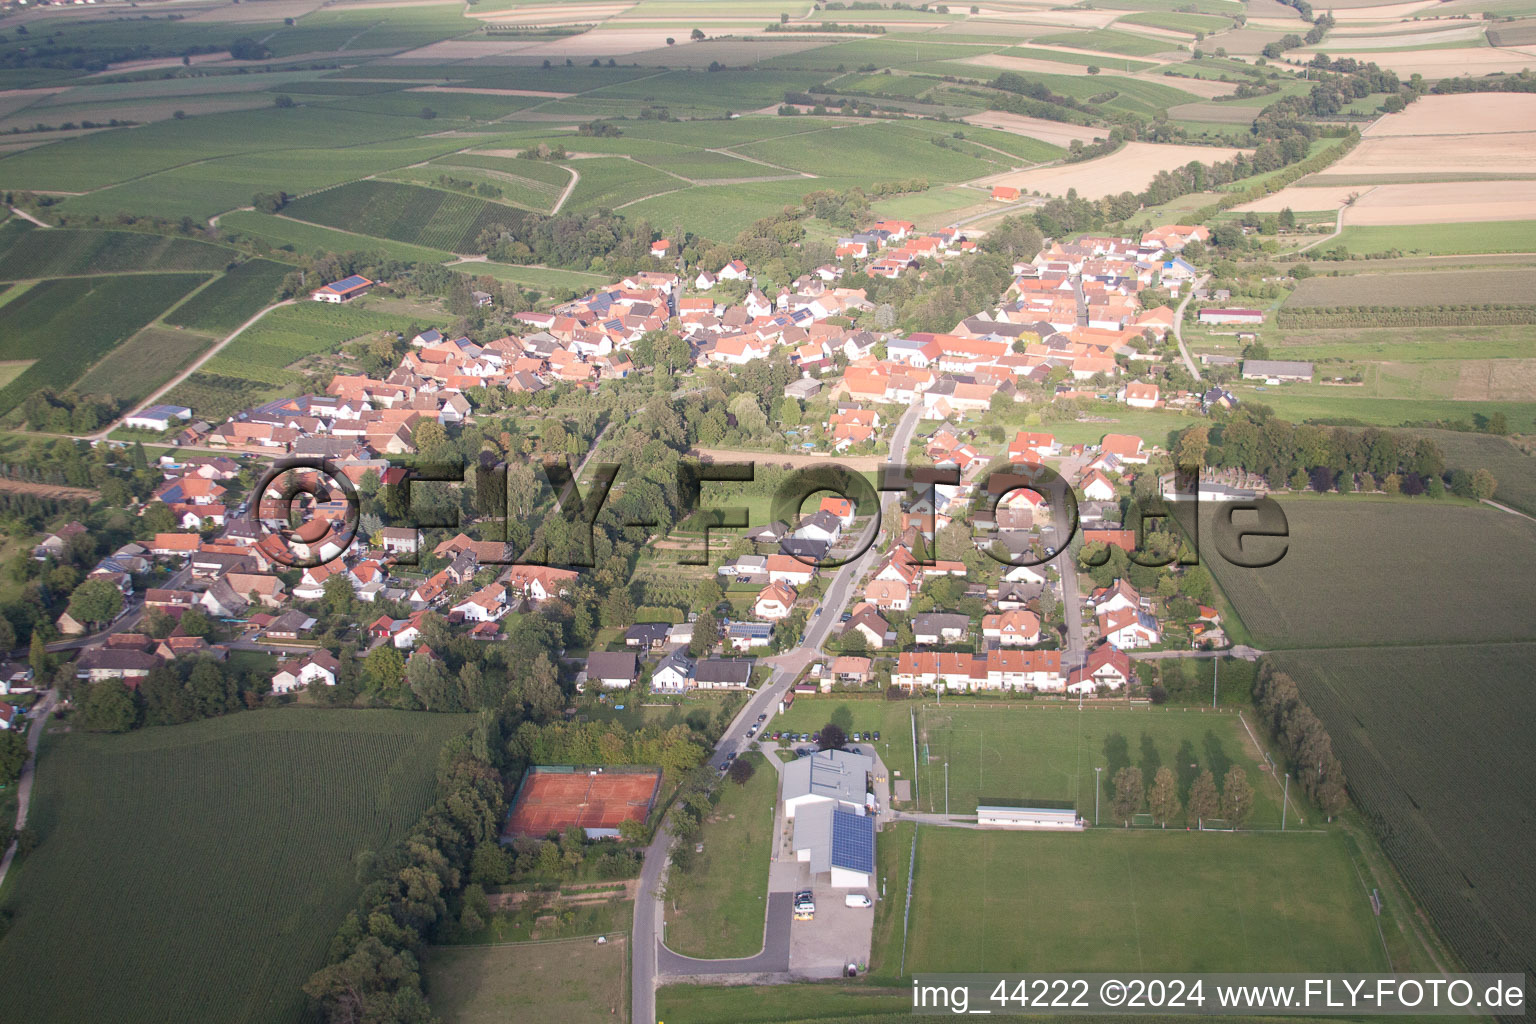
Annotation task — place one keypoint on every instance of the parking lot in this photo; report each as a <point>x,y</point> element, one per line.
<point>836,936</point>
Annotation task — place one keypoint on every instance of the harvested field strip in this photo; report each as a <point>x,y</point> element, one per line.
<point>1446,287</point>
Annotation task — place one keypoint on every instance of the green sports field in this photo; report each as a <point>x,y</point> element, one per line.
<point>197,872</point>
<point>1023,753</point>
<point>1112,899</point>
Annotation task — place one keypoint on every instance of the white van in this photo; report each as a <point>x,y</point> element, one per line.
<point>856,899</point>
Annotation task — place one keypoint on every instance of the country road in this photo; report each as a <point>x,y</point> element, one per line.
<point>1178,326</point>
<point>39,716</point>
<point>649,956</point>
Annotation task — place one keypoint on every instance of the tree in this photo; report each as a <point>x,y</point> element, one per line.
<point>1483,485</point>
<point>108,706</point>
<point>283,102</point>
<point>384,668</point>
<point>742,769</point>
<point>1236,797</point>
<point>38,658</point>
<point>96,600</point>
<point>13,754</point>
<point>1203,802</point>
<point>7,634</point>
<point>705,634</point>
<point>832,737</point>
<point>1128,793</point>
<point>1093,69</point>
<point>696,35</point>
<point>1164,796</point>
<point>195,622</point>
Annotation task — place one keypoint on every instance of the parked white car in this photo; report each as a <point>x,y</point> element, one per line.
<point>857,899</point>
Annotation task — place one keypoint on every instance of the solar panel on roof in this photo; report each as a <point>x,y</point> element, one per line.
<point>853,841</point>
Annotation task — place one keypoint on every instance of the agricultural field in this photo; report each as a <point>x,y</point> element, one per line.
<point>612,182</point>
<point>1435,747</point>
<point>156,887</point>
<point>284,233</point>
<point>77,321</point>
<point>1024,754</point>
<point>572,981</point>
<point>229,301</point>
<point>70,253</point>
<point>1444,287</point>
<point>1140,900</point>
<point>216,397</point>
<point>1440,239</point>
<point>1375,571</point>
<point>135,368</point>
<point>1514,468</point>
<point>290,333</point>
<point>715,908</point>
<point>1109,40</point>
<point>1129,168</point>
<point>405,213</point>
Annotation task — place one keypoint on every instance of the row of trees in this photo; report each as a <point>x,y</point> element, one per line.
<point>1253,438</point>
<point>676,749</point>
<point>416,894</point>
<point>1304,740</point>
<point>1233,804</point>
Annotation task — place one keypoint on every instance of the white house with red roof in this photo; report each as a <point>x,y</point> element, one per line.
<point>774,602</point>
<point>1139,395</point>
<point>1107,668</point>
<point>1126,447</point>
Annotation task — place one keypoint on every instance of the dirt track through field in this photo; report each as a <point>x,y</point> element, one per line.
<point>47,490</point>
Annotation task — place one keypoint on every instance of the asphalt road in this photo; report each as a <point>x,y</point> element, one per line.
<point>773,959</point>
<point>650,956</point>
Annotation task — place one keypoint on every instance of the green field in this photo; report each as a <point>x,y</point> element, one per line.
<point>1514,469</point>
<point>1022,754</point>
<point>716,909</point>
<point>404,213</point>
<point>135,368</point>
<point>1190,23</point>
<point>607,182</point>
<point>1435,743</point>
<point>76,321</point>
<point>216,397</point>
<point>571,981</point>
<point>232,299</point>
<point>1077,59</point>
<point>197,872</point>
<point>289,333</point>
<point>1367,572</point>
<point>1441,239</point>
<point>1111,899</point>
<point>70,253</point>
<point>1111,41</point>
<point>299,237</point>
<point>793,1003</point>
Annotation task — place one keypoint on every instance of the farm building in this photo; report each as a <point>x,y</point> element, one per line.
<point>1005,193</point>
<point>1276,369</point>
<point>345,290</point>
<point>1028,817</point>
<point>1232,316</point>
<point>837,842</point>
<point>158,417</point>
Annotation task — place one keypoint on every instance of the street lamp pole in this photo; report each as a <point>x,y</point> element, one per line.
<point>1215,674</point>
<point>1096,770</point>
<point>1285,800</point>
<point>946,789</point>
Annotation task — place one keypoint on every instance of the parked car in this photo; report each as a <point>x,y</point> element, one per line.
<point>845,616</point>
<point>877,736</point>
<point>731,756</point>
<point>857,899</point>
<point>762,717</point>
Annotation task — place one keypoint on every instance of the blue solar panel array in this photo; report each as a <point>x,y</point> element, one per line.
<point>853,841</point>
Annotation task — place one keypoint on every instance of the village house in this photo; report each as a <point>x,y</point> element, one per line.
<point>320,666</point>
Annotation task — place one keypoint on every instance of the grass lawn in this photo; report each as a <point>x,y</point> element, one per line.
<point>1023,753</point>
<point>1111,899</point>
<point>1317,402</point>
<point>571,920</point>
<point>573,981</point>
<point>1378,571</point>
<point>198,871</point>
<point>1441,239</point>
<point>717,909</point>
<point>892,719</point>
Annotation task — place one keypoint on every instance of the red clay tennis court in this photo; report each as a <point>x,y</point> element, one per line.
<point>555,800</point>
